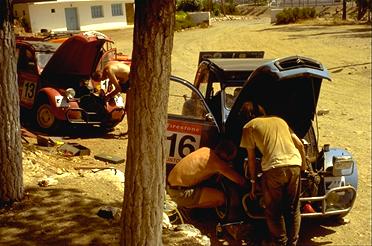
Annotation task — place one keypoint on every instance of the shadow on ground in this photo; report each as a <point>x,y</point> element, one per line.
<point>255,232</point>
<point>63,216</point>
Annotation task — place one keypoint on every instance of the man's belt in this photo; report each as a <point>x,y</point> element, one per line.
<point>179,187</point>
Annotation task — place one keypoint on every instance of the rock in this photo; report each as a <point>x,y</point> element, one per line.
<point>322,112</point>
<point>107,212</point>
<point>186,235</point>
<point>45,182</point>
<point>59,171</point>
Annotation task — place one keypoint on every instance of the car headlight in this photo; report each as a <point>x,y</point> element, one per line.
<point>342,165</point>
<point>339,199</point>
<point>70,93</point>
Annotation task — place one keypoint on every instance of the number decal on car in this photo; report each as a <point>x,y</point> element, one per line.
<point>28,91</point>
<point>183,138</point>
<point>333,182</point>
<point>119,101</point>
<point>61,101</point>
<point>104,84</point>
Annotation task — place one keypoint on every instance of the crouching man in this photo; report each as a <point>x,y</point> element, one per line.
<point>184,183</point>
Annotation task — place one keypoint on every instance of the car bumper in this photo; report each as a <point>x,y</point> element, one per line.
<point>107,119</point>
<point>337,201</point>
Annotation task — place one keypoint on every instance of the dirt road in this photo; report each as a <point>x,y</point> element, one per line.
<point>344,49</point>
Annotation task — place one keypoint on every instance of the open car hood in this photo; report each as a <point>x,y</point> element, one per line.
<point>76,57</point>
<point>288,88</point>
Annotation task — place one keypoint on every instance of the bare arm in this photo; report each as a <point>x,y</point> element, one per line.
<point>231,174</point>
<point>113,81</point>
<point>252,163</point>
<point>297,142</point>
<point>252,171</point>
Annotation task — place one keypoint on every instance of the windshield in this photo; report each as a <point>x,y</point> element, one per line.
<point>232,93</point>
<point>42,59</point>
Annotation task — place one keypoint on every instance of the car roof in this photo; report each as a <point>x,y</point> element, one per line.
<point>238,64</point>
<point>41,46</point>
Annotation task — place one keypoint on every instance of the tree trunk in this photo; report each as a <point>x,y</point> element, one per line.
<point>223,7</point>
<point>343,9</point>
<point>363,6</point>
<point>11,173</point>
<point>147,117</point>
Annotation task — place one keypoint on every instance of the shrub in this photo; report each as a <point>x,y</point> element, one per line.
<point>312,12</point>
<point>296,13</point>
<point>188,5</point>
<point>292,15</point>
<point>230,7</point>
<point>183,21</point>
<point>216,9</point>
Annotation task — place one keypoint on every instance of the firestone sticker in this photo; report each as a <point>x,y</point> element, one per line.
<point>183,138</point>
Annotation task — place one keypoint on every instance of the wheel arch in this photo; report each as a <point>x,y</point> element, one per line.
<point>48,94</point>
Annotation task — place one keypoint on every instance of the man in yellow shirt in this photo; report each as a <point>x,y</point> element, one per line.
<point>283,156</point>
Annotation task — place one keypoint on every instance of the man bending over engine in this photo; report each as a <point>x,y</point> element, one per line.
<point>118,75</point>
<point>184,183</point>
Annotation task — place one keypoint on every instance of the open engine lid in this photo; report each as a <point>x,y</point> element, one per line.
<point>288,88</point>
<point>77,56</point>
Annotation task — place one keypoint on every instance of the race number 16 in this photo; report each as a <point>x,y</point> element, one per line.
<point>179,145</point>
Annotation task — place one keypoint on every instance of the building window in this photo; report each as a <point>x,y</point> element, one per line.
<point>52,10</point>
<point>97,11</point>
<point>117,9</point>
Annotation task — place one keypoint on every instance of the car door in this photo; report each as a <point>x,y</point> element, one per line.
<point>28,77</point>
<point>208,83</point>
<point>191,124</point>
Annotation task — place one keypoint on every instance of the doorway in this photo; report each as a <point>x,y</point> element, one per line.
<point>72,22</point>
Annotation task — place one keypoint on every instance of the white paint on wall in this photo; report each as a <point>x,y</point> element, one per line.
<point>41,15</point>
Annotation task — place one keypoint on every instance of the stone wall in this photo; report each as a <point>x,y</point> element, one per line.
<point>200,17</point>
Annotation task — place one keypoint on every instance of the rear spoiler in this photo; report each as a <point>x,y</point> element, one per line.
<point>203,55</point>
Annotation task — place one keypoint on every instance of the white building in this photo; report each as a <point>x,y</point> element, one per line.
<point>69,15</point>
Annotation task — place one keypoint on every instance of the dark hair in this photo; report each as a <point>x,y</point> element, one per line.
<point>251,110</point>
<point>226,146</point>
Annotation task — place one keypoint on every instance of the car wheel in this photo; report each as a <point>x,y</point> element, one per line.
<point>223,211</point>
<point>232,210</point>
<point>45,119</point>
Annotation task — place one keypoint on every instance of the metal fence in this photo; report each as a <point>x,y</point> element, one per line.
<point>290,3</point>
<point>303,3</point>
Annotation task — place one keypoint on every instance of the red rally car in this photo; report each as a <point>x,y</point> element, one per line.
<point>55,83</point>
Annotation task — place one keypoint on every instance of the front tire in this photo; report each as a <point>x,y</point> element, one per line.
<point>44,118</point>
